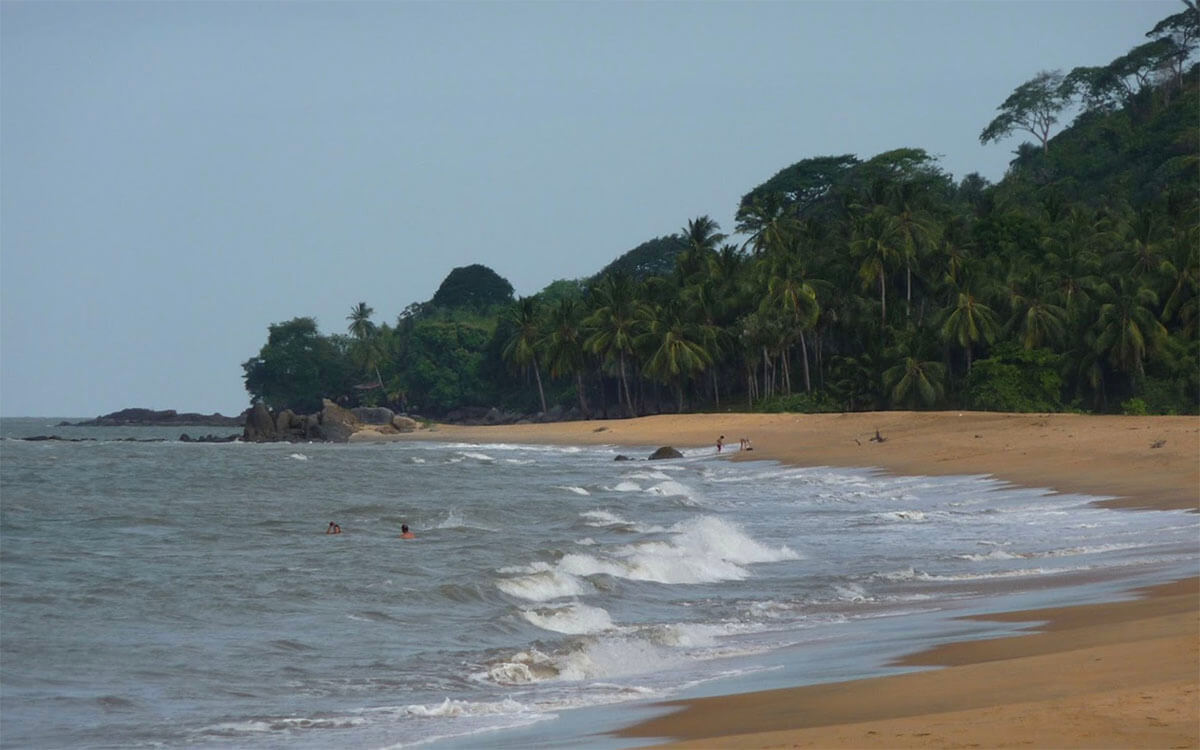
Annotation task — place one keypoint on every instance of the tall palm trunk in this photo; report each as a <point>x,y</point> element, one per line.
<point>625,385</point>
<point>804,354</point>
<point>583,407</point>
<point>537,374</point>
<point>882,299</point>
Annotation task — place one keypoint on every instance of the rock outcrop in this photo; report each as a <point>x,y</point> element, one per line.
<point>153,418</point>
<point>332,424</point>
<point>665,452</point>
<point>373,414</point>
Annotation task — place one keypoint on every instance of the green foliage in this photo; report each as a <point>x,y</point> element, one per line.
<point>800,403</point>
<point>444,364</point>
<point>297,367</point>
<point>1134,407</point>
<point>1033,106</point>
<point>475,287</point>
<point>654,257</point>
<point>1016,380</point>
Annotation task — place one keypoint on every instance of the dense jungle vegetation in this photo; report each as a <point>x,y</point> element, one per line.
<point>855,284</point>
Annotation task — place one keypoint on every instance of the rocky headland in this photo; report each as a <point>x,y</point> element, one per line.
<point>158,418</point>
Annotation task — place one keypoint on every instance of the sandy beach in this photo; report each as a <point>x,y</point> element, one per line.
<point>1117,675</point>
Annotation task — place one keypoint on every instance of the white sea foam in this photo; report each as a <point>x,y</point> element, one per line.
<point>572,488</point>
<point>476,456</point>
<point>542,585</point>
<point>698,550</point>
<point>575,618</point>
<point>670,488</point>
<point>298,456</point>
<point>994,554</point>
<point>603,518</point>
<point>626,487</point>
<point>659,475</point>
<point>900,515</point>
<point>456,708</point>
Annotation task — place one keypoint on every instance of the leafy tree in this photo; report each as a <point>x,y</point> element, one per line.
<point>1016,380</point>
<point>1033,107</point>
<point>297,367</point>
<point>475,287</point>
<point>654,257</point>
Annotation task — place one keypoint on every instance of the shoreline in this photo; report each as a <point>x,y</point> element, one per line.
<point>1118,674</point>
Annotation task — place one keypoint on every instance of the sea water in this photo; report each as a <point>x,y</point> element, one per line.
<point>170,594</point>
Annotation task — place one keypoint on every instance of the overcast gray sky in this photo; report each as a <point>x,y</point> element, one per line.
<point>176,176</point>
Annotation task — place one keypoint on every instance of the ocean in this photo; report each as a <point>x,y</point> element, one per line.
<point>185,595</point>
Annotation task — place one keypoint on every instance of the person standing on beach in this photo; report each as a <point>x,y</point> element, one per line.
<point>720,443</point>
<point>405,533</point>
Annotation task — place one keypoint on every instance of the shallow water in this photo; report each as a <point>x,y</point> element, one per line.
<point>184,595</point>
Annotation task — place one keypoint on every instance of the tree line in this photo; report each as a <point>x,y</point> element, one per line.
<point>849,284</point>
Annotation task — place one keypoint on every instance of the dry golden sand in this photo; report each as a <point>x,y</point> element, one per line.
<point>1117,675</point>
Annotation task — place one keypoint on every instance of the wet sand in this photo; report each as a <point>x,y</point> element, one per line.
<point>1115,675</point>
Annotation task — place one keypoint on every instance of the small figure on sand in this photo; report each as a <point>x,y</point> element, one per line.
<point>720,443</point>
<point>744,444</point>
<point>405,533</point>
<point>333,528</point>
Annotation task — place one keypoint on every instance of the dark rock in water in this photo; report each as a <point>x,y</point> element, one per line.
<point>152,418</point>
<point>186,438</point>
<point>665,452</point>
<point>621,457</point>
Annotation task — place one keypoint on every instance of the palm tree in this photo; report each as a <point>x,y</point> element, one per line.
<point>676,351</point>
<point>874,244</point>
<point>563,346</point>
<point>1035,319</point>
<point>767,220</point>
<point>793,296</point>
<point>1127,329</point>
<point>968,322</point>
<point>521,347</point>
<point>915,382</point>
<point>701,237</point>
<point>364,333</point>
<point>916,230</point>
<point>616,320</point>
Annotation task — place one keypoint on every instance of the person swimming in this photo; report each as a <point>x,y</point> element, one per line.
<point>333,528</point>
<point>405,533</point>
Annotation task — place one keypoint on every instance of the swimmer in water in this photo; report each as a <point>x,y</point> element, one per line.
<point>333,528</point>
<point>405,533</point>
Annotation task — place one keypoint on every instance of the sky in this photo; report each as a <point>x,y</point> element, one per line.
<point>177,176</point>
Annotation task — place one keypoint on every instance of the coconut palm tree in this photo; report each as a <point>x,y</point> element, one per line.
<point>915,382</point>
<point>874,244</point>
<point>1126,328</point>
<point>521,347</point>
<point>563,346</point>
<point>676,349</point>
<point>616,320</point>
<point>366,351</point>
<point>968,322</point>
